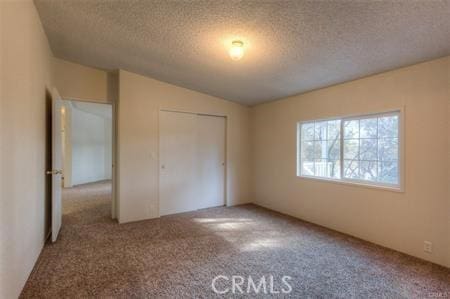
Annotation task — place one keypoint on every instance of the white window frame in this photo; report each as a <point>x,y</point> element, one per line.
<point>356,182</point>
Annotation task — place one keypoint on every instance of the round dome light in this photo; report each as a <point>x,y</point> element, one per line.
<point>237,50</point>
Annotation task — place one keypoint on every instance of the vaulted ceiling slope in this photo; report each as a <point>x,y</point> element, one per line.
<point>291,46</point>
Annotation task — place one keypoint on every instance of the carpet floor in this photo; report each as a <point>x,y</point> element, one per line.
<point>178,256</point>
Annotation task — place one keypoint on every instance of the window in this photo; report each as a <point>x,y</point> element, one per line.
<point>363,149</point>
<point>320,149</point>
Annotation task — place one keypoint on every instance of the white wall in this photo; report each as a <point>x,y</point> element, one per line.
<point>140,99</point>
<point>25,74</point>
<point>401,221</point>
<point>90,144</point>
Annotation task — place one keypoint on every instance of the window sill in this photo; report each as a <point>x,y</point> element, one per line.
<point>354,183</point>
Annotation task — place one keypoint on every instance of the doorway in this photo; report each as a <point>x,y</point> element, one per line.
<point>192,162</point>
<point>87,156</point>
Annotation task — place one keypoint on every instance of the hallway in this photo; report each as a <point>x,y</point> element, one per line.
<point>86,204</point>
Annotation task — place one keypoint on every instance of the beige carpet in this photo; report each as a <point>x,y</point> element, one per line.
<point>178,256</point>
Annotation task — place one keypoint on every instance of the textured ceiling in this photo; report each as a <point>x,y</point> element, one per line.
<point>291,46</point>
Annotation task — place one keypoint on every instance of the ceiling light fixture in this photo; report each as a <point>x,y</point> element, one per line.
<point>237,50</point>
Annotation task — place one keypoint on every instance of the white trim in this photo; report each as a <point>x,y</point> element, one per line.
<point>355,115</point>
<point>370,184</point>
<point>193,112</point>
<point>356,183</point>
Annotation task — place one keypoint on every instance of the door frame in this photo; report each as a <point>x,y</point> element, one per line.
<point>176,110</point>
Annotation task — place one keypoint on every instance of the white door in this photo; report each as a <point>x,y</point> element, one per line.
<point>178,162</point>
<point>211,161</point>
<point>56,171</point>
<point>192,162</point>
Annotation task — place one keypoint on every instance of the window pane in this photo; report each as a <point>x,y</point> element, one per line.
<point>334,149</point>
<point>370,146</point>
<point>320,130</point>
<point>320,149</point>
<point>368,170</point>
<point>320,167</point>
<point>388,172</point>
<point>351,169</point>
<point>388,126</point>
<point>351,149</point>
<point>368,128</point>
<point>334,169</point>
<point>368,149</point>
<point>334,129</point>
<point>308,168</point>
<point>351,129</point>
<point>388,149</point>
<point>308,131</point>
<point>307,148</point>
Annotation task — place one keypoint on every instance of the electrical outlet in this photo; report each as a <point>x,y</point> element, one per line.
<point>427,246</point>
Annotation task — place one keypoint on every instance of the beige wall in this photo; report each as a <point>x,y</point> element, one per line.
<point>78,82</point>
<point>397,220</point>
<point>448,161</point>
<point>25,75</point>
<point>400,221</point>
<point>140,99</point>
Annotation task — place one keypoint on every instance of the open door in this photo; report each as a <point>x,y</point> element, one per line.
<point>56,171</point>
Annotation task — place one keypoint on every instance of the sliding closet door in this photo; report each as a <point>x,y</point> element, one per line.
<point>178,163</point>
<point>192,162</point>
<point>211,161</point>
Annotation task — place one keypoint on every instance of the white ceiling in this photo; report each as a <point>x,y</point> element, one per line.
<point>291,46</point>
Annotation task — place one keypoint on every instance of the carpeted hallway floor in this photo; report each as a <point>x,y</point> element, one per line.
<point>178,256</point>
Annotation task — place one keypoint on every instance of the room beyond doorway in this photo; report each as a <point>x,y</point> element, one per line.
<point>87,150</point>
<point>87,203</point>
